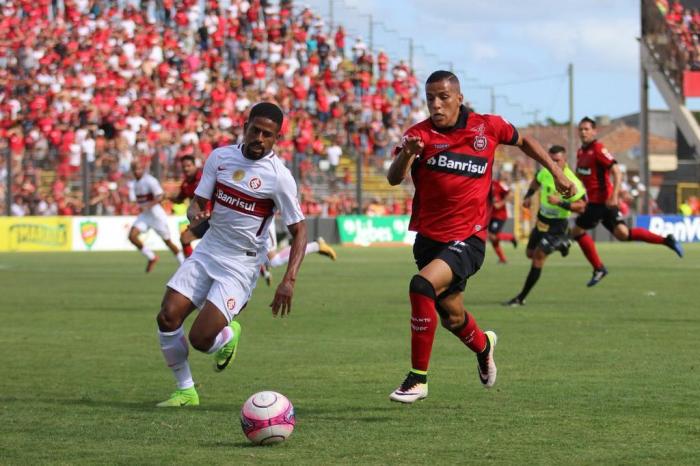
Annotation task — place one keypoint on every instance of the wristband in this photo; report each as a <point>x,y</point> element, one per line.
<point>565,205</point>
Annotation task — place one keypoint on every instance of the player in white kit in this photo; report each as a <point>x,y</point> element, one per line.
<point>248,184</point>
<point>148,194</point>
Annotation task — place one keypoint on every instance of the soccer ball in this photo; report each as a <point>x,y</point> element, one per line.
<point>267,417</point>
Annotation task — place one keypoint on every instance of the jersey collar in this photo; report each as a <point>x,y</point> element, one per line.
<point>461,121</point>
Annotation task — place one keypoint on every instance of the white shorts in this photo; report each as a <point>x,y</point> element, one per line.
<point>156,219</point>
<point>227,283</point>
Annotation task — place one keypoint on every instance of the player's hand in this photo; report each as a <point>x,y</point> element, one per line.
<point>199,218</point>
<point>282,302</point>
<point>612,201</point>
<point>527,202</point>
<point>553,199</point>
<point>412,145</point>
<point>565,186</point>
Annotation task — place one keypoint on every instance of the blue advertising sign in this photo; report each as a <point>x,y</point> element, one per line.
<point>685,229</point>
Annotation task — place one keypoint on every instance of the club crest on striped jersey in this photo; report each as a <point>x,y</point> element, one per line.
<point>238,175</point>
<point>480,141</point>
<point>255,183</point>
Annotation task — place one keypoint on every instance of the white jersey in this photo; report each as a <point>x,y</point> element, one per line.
<point>246,195</point>
<point>146,189</point>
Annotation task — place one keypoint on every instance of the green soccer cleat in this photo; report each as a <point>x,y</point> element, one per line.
<point>181,397</point>
<point>227,353</point>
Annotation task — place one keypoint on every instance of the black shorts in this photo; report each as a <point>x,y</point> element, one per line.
<point>200,229</point>
<point>594,213</point>
<point>463,257</point>
<point>548,235</point>
<point>496,225</point>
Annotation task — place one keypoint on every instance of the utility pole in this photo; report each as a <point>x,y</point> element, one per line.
<point>572,142</point>
<point>330,18</point>
<point>8,185</point>
<point>371,34</point>
<point>410,53</point>
<point>493,100</point>
<point>644,136</point>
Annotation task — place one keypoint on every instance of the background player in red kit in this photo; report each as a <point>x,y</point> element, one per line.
<point>450,156</point>
<point>500,191</point>
<point>594,165</point>
<point>192,175</point>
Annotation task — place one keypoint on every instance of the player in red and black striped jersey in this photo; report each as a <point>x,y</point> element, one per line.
<point>500,191</point>
<point>594,166</point>
<point>450,158</point>
<point>192,175</point>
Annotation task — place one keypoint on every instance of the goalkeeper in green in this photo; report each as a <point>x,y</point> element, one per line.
<point>551,232</point>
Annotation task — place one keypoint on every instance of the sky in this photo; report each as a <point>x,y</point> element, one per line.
<point>520,48</point>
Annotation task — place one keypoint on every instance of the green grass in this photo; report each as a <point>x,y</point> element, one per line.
<point>586,376</point>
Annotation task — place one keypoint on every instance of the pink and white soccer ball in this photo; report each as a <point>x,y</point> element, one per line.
<point>267,417</point>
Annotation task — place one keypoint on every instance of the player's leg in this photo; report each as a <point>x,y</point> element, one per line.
<point>538,259</point>
<point>190,234</point>
<point>159,223</point>
<point>174,309</point>
<point>586,221</point>
<point>139,227</point>
<point>186,239</point>
<point>422,294</point>
<point>501,236</point>
<point>495,227</point>
<point>319,246</point>
<point>616,225</point>
<point>212,333</point>
<point>455,318</point>
<point>532,243</point>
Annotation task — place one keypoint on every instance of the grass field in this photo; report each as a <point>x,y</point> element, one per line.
<point>607,375</point>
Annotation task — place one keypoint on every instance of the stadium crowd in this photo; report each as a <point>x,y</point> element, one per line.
<point>685,26</point>
<point>112,82</point>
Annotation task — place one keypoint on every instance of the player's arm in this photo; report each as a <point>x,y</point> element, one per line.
<point>531,190</point>
<point>156,200</point>
<point>613,200</point>
<point>534,150</point>
<point>282,302</point>
<point>412,147</point>
<point>197,211</point>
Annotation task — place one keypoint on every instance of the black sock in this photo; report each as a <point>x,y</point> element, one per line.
<point>530,281</point>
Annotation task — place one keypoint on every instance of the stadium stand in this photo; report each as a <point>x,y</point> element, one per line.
<point>110,82</point>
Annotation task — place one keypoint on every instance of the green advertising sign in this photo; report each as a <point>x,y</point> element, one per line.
<point>364,230</point>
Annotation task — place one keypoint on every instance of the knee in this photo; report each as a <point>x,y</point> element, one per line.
<point>421,285</point>
<point>168,320</point>
<point>200,342</point>
<point>452,322</point>
<point>529,253</point>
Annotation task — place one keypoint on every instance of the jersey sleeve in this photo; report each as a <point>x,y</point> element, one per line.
<point>155,187</point>
<point>286,200</point>
<point>412,131</point>
<point>604,157</point>
<point>539,175</point>
<point>580,188</point>
<point>205,188</point>
<point>504,130</point>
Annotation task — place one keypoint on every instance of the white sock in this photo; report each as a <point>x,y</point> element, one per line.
<point>281,257</point>
<point>175,351</point>
<point>180,257</point>
<point>221,339</point>
<point>311,247</point>
<point>148,253</point>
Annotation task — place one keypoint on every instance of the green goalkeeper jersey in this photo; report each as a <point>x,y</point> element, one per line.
<point>547,187</point>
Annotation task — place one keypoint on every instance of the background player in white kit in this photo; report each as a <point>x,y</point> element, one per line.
<point>148,194</point>
<point>248,183</point>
